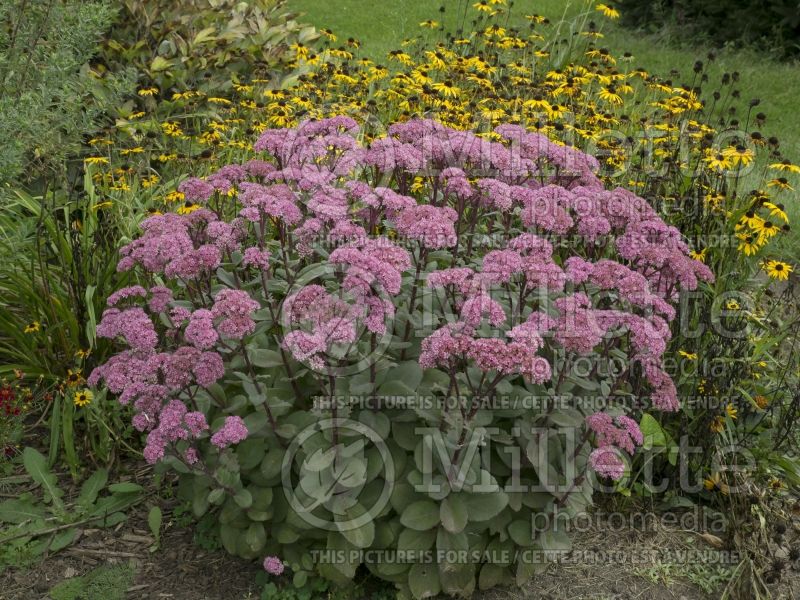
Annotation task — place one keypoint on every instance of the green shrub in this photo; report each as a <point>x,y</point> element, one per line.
<point>200,45</point>
<point>49,96</point>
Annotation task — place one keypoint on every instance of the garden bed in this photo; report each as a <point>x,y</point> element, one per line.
<point>178,570</point>
<point>182,571</point>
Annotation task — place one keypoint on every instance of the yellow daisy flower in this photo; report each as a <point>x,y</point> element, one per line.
<point>777,210</point>
<point>739,155</point>
<point>777,269</point>
<point>74,378</point>
<point>785,166</point>
<point>188,208</point>
<point>607,11</point>
<point>701,255</point>
<point>781,183</point>
<point>83,398</point>
<point>749,244</point>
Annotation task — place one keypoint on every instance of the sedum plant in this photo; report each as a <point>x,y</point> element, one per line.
<point>420,355</point>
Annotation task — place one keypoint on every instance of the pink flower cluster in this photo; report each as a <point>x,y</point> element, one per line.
<point>232,431</point>
<point>273,565</point>
<point>612,435</point>
<point>234,308</point>
<point>318,321</point>
<point>606,462</point>
<point>174,423</point>
<point>167,246</point>
<point>452,346</point>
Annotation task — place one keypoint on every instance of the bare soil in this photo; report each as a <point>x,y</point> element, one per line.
<point>623,564</point>
<point>178,570</point>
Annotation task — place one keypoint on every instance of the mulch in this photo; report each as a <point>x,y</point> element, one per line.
<point>180,569</point>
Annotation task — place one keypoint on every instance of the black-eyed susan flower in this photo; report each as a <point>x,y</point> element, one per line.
<point>175,196</point>
<point>328,34</point>
<point>777,269</point>
<point>687,355</point>
<point>751,219</point>
<point>767,230</point>
<point>150,91</point>
<point>610,95</point>
<point>785,166</point>
<point>149,181</point>
<point>775,484</point>
<point>242,88</point>
<point>777,210</point>
<point>171,128</point>
<point>717,424</point>
<point>275,94</point>
<point>699,255</point>
<point>537,103</point>
<point>607,11</point>
<point>781,183</point>
<point>74,378</point>
<point>447,89</point>
<point>731,411</point>
<point>402,57</point>
<point>749,243</point>
<point>718,161</point>
<point>300,49</point>
<point>739,155</point>
<point>188,208</point>
<point>537,19</point>
<point>83,398</point>
<point>32,327</point>
<point>96,160</point>
<point>134,150</point>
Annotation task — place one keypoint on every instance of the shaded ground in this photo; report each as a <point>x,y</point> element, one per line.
<point>621,564</point>
<point>614,558</point>
<point>178,570</point>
